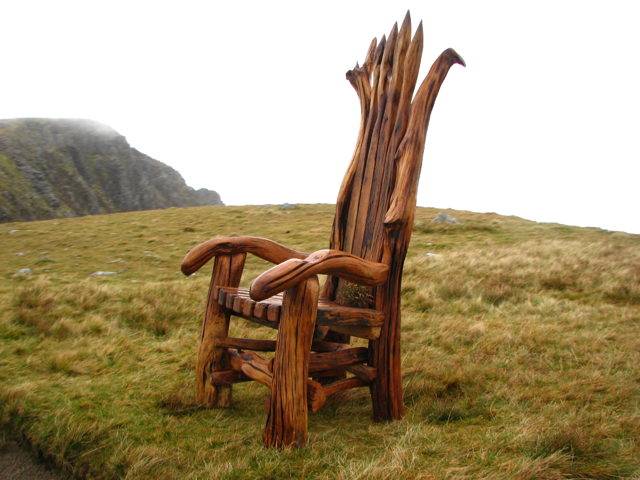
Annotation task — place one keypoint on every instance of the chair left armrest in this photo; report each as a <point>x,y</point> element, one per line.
<point>261,247</point>
<point>335,262</point>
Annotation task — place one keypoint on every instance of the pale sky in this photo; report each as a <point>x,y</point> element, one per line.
<point>250,98</point>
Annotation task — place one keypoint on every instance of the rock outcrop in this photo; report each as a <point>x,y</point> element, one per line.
<point>63,168</point>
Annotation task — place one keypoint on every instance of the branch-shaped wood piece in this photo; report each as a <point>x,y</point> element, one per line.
<point>323,262</point>
<point>412,147</point>
<point>261,247</point>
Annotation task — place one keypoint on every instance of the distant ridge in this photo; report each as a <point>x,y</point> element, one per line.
<point>64,168</point>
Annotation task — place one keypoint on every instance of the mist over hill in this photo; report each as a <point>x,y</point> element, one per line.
<point>63,168</point>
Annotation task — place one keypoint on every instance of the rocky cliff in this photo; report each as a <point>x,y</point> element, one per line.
<point>64,168</point>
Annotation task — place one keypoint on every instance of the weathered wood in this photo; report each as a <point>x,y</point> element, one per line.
<point>247,308</point>
<point>363,372</point>
<point>295,270</point>
<point>316,397</point>
<point>237,304</point>
<point>338,358</point>
<point>376,204</point>
<point>343,384</point>
<point>360,322</point>
<point>386,390</point>
<point>287,419</point>
<point>261,247</point>
<point>227,377</point>
<point>248,344</point>
<point>273,313</point>
<point>326,346</point>
<point>370,333</point>
<point>369,240</point>
<point>260,311</point>
<point>251,365</point>
<point>227,270</point>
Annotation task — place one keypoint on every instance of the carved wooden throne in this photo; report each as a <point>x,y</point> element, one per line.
<point>361,296</point>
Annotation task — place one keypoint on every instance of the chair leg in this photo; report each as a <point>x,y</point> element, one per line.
<point>287,417</point>
<point>227,270</point>
<point>384,354</point>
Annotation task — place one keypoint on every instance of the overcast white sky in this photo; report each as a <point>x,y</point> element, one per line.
<point>250,99</point>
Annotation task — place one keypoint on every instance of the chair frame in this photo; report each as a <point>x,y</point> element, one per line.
<point>372,228</point>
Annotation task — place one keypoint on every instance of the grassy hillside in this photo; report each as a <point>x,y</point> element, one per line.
<point>521,352</point>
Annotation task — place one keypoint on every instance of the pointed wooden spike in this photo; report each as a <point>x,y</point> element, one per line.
<point>390,45</point>
<point>379,51</point>
<point>370,53</point>
<point>394,32</point>
<point>418,36</point>
<point>402,47</point>
<point>405,29</point>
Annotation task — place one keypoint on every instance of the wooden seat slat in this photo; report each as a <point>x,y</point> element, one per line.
<point>361,322</point>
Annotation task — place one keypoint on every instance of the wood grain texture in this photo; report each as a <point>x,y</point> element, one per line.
<point>287,418</point>
<point>376,203</point>
<point>227,270</point>
<point>359,322</point>
<point>261,247</point>
<point>370,236</point>
<point>343,384</point>
<point>340,358</point>
<point>248,344</point>
<point>227,377</point>
<point>294,271</point>
<point>251,365</point>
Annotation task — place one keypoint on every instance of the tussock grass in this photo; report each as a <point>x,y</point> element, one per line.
<point>521,352</point>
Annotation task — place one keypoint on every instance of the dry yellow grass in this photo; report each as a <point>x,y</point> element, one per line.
<point>521,352</point>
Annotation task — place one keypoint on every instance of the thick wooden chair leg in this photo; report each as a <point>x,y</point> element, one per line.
<point>287,417</point>
<point>384,355</point>
<point>227,271</point>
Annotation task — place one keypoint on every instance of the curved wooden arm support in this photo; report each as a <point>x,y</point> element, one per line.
<point>334,262</point>
<point>261,247</point>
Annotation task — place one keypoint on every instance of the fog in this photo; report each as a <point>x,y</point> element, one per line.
<point>250,98</point>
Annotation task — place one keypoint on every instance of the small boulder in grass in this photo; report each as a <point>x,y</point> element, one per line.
<point>288,206</point>
<point>24,272</point>
<point>444,218</point>
<point>101,273</point>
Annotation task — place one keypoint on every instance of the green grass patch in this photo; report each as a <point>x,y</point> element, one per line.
<point>521,352</point>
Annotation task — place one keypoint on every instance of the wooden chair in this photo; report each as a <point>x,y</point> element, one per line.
<point>361,296</point>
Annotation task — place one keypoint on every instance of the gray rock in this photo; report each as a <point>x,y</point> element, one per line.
<point>444,218</point>
<point>100,273</point>
<point>19,254</point>
<point>12,232</point>
<point>432,255</point>
<point>24,272</point>
<point>288,206</point>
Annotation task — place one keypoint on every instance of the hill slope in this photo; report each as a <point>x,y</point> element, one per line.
<point>520,351</point>
<point>62,168</point>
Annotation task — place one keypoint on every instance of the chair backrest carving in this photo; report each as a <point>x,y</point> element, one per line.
<point>377,199</point>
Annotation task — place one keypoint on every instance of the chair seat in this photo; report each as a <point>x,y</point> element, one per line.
<point>359,322</point>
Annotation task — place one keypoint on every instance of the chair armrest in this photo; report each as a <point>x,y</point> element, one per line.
<point>295,270</point>
<point>261,247</point>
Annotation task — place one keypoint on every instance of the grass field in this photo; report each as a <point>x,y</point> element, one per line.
<point>521,352</point>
